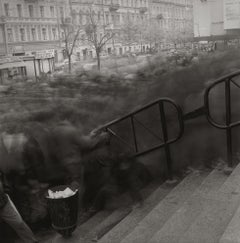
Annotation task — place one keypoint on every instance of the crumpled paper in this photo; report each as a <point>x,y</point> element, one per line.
<point>61,194</point>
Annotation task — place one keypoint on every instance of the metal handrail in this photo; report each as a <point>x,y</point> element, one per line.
<point>227,79</point>
<point>203,110</point>
<point>165,140</point>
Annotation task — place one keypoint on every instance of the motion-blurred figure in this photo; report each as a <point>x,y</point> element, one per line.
<point>10,215</point>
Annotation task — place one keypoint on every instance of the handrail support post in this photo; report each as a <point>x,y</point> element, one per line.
<point>165,139</point>
<point>228,121</point>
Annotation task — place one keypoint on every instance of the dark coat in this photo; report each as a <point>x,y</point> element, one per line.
<point>3,190</point>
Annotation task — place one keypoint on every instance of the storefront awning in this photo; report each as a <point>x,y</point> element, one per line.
<point>12,65</point>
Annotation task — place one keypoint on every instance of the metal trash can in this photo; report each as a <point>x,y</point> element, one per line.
<point>63,212</point>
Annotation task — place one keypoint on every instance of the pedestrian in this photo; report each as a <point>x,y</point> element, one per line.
<point>70,148</point>
<point>10,215</point>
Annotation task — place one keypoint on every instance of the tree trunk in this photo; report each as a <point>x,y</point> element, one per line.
<point>98,59</point>
<point>69,64</point>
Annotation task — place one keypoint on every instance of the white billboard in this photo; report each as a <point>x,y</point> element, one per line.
<point>44,54</point>
<point>231,11</point>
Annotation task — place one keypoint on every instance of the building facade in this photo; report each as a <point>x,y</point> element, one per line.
<point>216,18</point>
<point>112,15</point>
<point>154,21</point>
<point>27,26</point>
<point>172,15</point>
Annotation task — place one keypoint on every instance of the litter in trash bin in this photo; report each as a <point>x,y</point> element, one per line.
<point>61,194</point>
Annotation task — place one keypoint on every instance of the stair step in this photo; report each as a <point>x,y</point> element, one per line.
<point>165,209</point>
<point>107,224</point>
<point>232,233</point>
<point>99,224</point>
<point>130,222</point>
<point>118,215</point>
<point>82,230</point>
<point>222,204</point>
<point>178,224</point>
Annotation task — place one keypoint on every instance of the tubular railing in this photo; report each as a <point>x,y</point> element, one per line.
<point>164,142</point>
<point>229,125</point>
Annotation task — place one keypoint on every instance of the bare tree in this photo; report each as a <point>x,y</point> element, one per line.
<point>97,34</point>
<point>70,36</point>
<point>129,31</point>
<point>152,33</point>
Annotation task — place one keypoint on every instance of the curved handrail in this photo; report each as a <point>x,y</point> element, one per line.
<point>165,141</point>
<point>227,79</point>
<point>223,79</point>
<point>144,108</point>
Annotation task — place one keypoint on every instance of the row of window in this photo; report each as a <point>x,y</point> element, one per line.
<point>33,11</point>
<point>172,12</point>
<point>108,18</point>
<point>124,3</point>
<point>169,24</point>
<point>40,34</point>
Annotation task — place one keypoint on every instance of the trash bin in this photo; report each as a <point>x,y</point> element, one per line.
<point>63,212</point>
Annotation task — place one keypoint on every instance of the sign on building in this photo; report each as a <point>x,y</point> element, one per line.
<point>231,11</point>
<point>44,54</point>
<point>10,59</point>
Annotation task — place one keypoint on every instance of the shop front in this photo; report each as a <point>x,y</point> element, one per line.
<point>12,68</point>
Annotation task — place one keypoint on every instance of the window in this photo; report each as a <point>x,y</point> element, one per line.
<point>44,34</point>
<point>19,10</point>
<point>80,18</point>
<point>42,11</point>
<point>61,12</point>
<point>22,34</point>
<point>10,35</point>
<point>6,9</point>
<point>54,33</point>
<point>52,11</point>
<point>107,19</point>
<point>30,10</point>
<point>33,31</point>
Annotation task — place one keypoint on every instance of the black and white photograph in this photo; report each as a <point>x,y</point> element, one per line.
<point>119,121</point>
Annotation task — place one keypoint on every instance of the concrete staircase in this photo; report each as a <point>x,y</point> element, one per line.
<point>203,207</point>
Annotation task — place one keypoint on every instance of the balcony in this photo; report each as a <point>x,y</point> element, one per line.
<point>143,10</point>
<point>114,7</point>
<point>12,19</point>
<point>30,1</point>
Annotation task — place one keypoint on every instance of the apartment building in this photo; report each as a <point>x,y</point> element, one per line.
<point>173,14</point>
<point>150,17</point>
<point>27,26</point>
<point>216,19</point>
<point>111,14</point>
